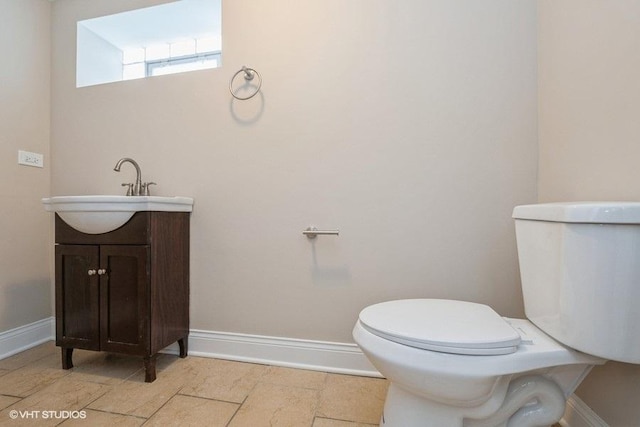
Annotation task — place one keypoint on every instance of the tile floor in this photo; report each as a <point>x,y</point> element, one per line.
<point>109,390</point>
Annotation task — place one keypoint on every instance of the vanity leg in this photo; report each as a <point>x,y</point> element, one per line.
<point>67,362</point>
<point>184,346</point>
<point>150,368</point>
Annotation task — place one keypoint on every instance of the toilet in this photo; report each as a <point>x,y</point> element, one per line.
<point>460,364</point>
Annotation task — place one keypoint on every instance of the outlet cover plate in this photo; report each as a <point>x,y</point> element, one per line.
<point>28,158</point>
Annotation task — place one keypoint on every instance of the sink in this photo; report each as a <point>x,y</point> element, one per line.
<point>101,214</point>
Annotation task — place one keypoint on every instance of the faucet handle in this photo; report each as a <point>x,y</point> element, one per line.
<point>145,188</point>
<point>129,188</point>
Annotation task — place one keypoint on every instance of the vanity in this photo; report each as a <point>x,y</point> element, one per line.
<point>121,275</point>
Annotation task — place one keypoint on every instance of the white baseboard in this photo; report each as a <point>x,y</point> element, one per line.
<point>578,414</point>
<point>343,358</point>
<point>24,337</point>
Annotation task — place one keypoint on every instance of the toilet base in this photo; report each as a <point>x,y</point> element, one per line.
<point>404,409</point>
<point>528,401</point>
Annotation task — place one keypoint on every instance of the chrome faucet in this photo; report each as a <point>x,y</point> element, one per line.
<point>139,188</point>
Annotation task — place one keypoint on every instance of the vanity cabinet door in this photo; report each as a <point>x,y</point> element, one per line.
<point>77,311</point>
<point>124,299</point>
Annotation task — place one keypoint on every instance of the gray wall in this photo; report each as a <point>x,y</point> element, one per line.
<point>25,292</point>
<point>589,62</point>
<point>410,126</point>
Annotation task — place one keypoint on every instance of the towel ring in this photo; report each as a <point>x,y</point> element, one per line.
<point>249,74</point>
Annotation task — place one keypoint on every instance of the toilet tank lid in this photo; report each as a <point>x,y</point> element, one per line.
<point>581,212</point>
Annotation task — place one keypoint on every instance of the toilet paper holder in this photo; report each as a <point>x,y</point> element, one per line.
<point>311,232</point>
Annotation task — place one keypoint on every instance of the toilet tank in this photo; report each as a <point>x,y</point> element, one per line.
<point>580,272</point>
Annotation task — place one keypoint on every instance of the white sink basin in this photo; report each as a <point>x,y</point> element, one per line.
<point>101,214</point>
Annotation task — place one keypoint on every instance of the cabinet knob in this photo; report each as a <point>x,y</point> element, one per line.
<point>91,272</point>
<point>102,271</point>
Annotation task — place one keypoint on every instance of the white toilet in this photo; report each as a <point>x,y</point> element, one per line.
<point>455,363</point>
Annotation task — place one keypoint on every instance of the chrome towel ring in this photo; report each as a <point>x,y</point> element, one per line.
<point>249,74</point>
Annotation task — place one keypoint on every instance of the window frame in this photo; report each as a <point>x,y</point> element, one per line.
<point>185,59</point>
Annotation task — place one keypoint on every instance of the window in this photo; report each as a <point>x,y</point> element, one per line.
<point>169,58</point>
<point>171,38</point>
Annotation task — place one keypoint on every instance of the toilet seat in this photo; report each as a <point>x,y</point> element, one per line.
<point>447,326</point>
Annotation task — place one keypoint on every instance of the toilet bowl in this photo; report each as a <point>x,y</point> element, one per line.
<point>460,364</point>
<point>447,370</point>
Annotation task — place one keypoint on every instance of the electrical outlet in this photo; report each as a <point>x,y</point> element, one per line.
<point>28,158</point>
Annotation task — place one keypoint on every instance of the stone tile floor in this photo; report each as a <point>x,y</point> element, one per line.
<point>109,390</point>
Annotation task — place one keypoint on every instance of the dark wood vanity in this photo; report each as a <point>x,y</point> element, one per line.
<point>125,291</point>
